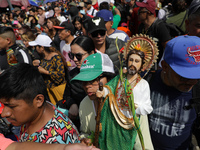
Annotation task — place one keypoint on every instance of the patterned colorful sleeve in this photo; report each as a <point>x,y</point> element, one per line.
<point>68,133</point>
<point>57,74</point>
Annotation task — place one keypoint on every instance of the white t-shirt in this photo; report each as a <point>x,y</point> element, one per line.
<point>120,34</point>
<point>61,18</point>
<point>91,10</point>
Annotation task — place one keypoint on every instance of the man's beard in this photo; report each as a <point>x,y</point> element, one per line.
<point>132,70</point>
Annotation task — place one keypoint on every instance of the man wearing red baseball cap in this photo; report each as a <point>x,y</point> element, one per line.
<point>148,26</point>
<point>150,5</point>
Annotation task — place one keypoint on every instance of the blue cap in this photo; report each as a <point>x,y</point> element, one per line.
<point>183,55</point>
<point>105,14</point>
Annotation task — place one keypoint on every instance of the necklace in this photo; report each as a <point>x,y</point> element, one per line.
<point>135,81</point>
<point>132,83</point>
<point>145,31</point>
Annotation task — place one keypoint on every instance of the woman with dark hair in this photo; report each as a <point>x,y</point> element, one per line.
<point>81,47</point>
<point>45,29</point>
<point>52,67</point>
<point>20,18</point>
<point>10,17</point>
<point>77,22</point>
<point>32,22</point>
<point>53,33</point>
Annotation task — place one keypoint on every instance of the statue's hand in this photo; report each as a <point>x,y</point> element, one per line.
<point>100,94</point>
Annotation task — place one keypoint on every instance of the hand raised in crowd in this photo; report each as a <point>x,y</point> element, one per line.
<point>30,19</point>
<point>111,4</point>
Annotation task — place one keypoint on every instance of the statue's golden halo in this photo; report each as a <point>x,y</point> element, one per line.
<point>148,46</point>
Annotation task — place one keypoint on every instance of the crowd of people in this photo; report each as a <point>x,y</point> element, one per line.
<point>101,75</point>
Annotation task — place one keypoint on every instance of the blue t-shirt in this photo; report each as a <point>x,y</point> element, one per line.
<point>170,125</point>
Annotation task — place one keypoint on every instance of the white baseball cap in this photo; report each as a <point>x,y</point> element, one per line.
<point>41,40</point>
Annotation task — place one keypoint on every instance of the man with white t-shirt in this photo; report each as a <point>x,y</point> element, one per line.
<point>66,35</point>
<point>90,9</point>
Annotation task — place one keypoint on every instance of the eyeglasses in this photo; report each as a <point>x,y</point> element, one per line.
<point>78,56</point>
<point>140,12</point>
<point>84,83</point>
<point>96,33</point>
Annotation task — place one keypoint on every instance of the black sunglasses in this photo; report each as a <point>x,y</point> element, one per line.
<point>96,33</point>
<point>140,12</point>
<point>78,56</point>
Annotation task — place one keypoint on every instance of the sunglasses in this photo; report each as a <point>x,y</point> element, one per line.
<point>96,33</point>
<point>78,56</point>
<point>140,12</point>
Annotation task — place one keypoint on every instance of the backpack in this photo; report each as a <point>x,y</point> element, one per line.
<point>168,13</point>
<point>173,29</point>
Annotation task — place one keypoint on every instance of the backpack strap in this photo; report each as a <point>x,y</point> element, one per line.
<point>183,19</point>
<point>93,12</point>
<point>155,25</point>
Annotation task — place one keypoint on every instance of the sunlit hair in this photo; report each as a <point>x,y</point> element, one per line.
<point>55,22</point>
<point>28,36</point>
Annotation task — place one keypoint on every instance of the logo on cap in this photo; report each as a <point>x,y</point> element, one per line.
<point>97,21</point>
<point>194,52</point>
<point>85,61</point>
<point>145,1</point>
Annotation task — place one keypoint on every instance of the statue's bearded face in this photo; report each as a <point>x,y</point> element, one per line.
<point>134,64</point>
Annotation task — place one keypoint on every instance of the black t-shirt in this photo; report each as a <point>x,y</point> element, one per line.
<point>56,42</point>
<point>159,33</point>
<point>74,92</point>
<point>3,60</point>
<point>170,124</point>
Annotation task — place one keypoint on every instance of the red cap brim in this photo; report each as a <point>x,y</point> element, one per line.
<point>58,27</point>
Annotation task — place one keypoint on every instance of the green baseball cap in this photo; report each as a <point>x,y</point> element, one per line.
<point>93,66</point>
